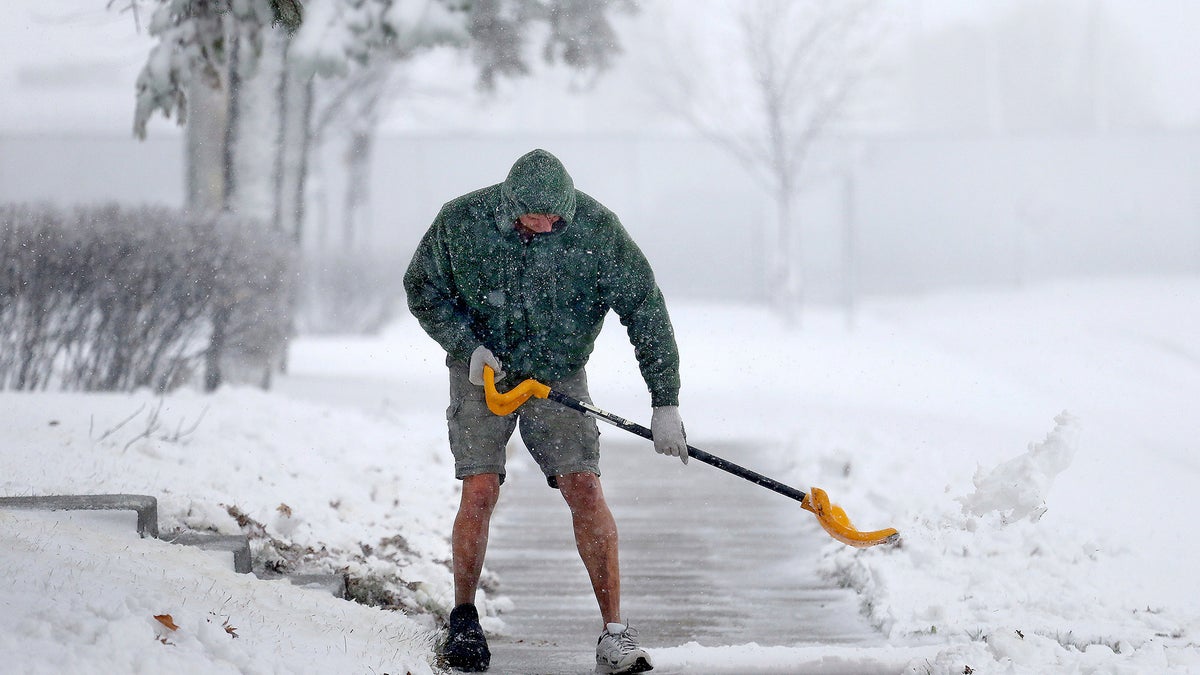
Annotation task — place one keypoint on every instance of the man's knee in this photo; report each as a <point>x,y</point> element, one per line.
<point>480,493</point>
<point>581,490</point>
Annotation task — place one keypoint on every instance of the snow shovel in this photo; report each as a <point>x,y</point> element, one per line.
<point>831,516</point>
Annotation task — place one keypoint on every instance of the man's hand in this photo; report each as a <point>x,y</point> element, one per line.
<point>667,428</point>
<point>482,356</point>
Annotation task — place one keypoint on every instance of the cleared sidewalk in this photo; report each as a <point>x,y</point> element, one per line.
<point>705,557</point>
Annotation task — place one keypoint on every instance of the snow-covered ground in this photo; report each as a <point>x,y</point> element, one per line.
<point>1036,449</point>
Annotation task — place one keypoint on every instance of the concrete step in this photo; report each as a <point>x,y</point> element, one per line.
<point>146,509</point>
<point>145,506</point>
<point>236,544</point>
<point>334,584</point>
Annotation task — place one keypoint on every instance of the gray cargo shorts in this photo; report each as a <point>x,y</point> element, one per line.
<point>561,440</point>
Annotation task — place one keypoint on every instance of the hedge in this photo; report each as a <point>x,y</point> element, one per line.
<point>112,297</point>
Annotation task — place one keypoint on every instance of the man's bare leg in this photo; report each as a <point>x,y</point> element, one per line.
<point>470,538</point>
<point>596,538</point>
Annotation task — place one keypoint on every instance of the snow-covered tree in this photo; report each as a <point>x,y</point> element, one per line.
<point>255,60</point>
<point>764,80</point>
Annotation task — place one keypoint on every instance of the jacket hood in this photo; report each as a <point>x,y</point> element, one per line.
<point>537,183</point>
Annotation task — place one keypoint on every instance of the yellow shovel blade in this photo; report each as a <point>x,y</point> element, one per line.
<point>834,521</point>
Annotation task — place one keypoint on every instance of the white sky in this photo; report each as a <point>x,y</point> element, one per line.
<point>1164,33</point>
<point>70,65</point>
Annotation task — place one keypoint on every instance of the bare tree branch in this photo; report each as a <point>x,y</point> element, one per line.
<point>795,67</point>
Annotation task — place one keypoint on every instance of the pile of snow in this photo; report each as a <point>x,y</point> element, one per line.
<point>319,489</point>
<point>1066,557</point>
<point>986,569</point>
<point>85,599</point>
<point>1017,488</point>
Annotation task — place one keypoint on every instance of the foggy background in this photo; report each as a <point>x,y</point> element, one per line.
<point>986,144</point>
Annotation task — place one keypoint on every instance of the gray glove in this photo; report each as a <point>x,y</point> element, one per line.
<point>482,356</point>
<point>667,428</point>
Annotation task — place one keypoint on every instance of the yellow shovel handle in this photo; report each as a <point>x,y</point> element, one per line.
<point>509,401</point>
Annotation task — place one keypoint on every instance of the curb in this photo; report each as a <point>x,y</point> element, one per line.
<point>334,584</point>
<point>236,544</point>
<point>145,506</point>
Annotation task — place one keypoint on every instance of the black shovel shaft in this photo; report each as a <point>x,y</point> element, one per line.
<point>693,452</point>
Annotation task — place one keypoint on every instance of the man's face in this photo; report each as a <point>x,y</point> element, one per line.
<point>538,222</point>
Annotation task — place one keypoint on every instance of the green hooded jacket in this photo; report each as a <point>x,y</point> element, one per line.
<point>539,304</point>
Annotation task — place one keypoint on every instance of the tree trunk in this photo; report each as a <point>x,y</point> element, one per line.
<point>849,248</point>
<point>253,162</point>
<point>216,349</point>
<point>206,130</point>
<point>255,119</point>
<point>358,174</point>
<point>788,276</point>
<point>295,140</point>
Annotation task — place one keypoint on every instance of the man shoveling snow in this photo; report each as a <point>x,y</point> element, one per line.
<point>519,276</point>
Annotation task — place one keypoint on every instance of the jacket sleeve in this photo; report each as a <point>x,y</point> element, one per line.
<point>631,291</point>
<point>433,297</point>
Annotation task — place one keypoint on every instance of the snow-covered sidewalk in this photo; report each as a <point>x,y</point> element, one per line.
<point>1036,449</point>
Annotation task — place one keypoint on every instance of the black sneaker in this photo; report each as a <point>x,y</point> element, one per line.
<point>466,647</point>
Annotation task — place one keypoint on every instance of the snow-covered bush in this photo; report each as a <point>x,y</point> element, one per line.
<point>115,297</point>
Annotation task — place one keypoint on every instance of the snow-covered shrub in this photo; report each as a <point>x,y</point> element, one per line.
<point>115,297</point>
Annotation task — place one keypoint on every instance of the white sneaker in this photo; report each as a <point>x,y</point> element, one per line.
<point>618,652</point>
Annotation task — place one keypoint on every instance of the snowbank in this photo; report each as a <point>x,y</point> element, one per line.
<point>1066,557</point>
<point>83,599</point>
<point>1025,594</point>
<point>318,489</point>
